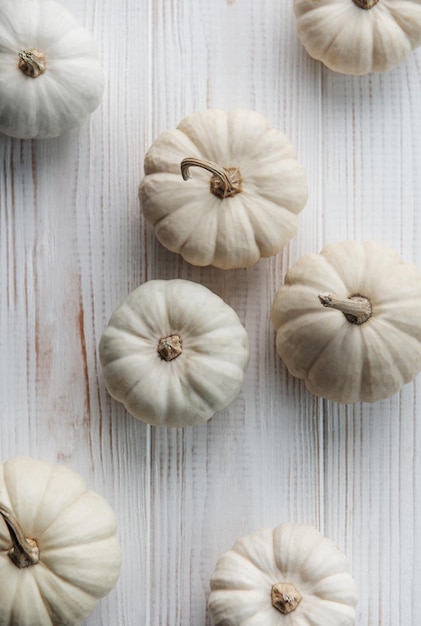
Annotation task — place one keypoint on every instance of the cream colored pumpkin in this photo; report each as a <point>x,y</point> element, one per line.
<point>174,353</point>
<point>50,75</point>
<point>58,548</point>
<point>359,36</point>
<point>287,576</point>
<point>348,321</point>
<point>242,199</point>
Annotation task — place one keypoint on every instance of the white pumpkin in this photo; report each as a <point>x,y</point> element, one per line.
<point>243,197</point>
<point>50,75</point>
<point>348,321</point>
<point>174,353</point>
<point>287,576</point>
<point>58,548</point>
<point>359,36</point>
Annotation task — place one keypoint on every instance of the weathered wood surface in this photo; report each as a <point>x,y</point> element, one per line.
<point>73,244</point>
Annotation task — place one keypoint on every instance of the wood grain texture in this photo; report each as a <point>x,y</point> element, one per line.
<point>73,245</point>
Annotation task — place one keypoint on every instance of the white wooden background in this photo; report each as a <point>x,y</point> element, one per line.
<point>73,244</point>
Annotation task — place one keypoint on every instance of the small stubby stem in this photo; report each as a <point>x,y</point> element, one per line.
<point>225,182</point>
<point>23,552</point>
<point>285,597</point>
<point>31,62</point>
<point>365,4</point>
<point>169,348</point>
<point>357,309</point>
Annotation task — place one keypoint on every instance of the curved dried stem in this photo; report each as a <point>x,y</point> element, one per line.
<point>357,309</point>
<point>225,182</point>
<point>24,552</point>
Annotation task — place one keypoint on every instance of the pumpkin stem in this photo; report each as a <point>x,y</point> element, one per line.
<point>31,62</point>
<point>285,597</point>
<point>24,552</point>
<point>357,309</point>
<point>170,348</point>
<point>224,183</point>
<point>365,4</point>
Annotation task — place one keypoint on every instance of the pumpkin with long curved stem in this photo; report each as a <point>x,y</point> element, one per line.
<point>58,548</point>
<point>348,321</point>
<point>359,36</point>
<point>242,200</point>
